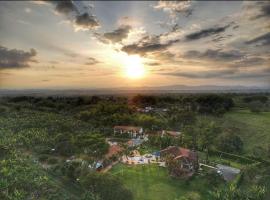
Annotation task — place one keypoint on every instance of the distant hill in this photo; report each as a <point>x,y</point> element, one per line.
<point>134,90</point>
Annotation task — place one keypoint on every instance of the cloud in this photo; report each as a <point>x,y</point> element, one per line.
<point>14,58</point>
<point>81,21</point>
<point>264,10</point>
<point>260,74</point>
<point>251,62</point>
<point>206,33</point>
<point>144,48</point>
<point>130,21</point>
<point>92,61</point>
<point>203,74</point>
<point>65,7</point>
<point>148,44</point>
<point>261,40</point>
<point>86,22</point>
<point>164,56</point>
<point>222,74</point>
<point>175,7</point>
<point>152,63</point>
<point>216,55</point>
<point>115,36</point>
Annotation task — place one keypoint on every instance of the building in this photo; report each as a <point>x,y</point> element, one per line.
<point>114,150</point>
<point>132,131</point>
<point>171,133</point>
<point>186,160</point>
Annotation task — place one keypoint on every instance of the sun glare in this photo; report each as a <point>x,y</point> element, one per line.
<point>134,68</point>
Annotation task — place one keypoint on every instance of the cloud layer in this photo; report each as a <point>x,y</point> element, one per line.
<point>14,58</point>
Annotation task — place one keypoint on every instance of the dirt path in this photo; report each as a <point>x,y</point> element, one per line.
<point>104,170</point>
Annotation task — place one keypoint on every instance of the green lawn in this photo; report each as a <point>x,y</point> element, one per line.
<point>253,128</point>
<point>151,182</point>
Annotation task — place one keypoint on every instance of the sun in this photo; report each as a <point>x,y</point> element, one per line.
<point>134,68</point>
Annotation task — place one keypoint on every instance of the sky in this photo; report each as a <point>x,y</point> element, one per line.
<point>111,44</point>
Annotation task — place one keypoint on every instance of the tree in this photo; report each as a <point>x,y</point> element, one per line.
<point>90,196</point>
<point>191,196</point>
<point>230,142</point>
<point>142,100</point>
<point>255,106</point>
<point>174,166</point>
<point>214,104</point>
<point>231,192</point>
<point>208,131</point>
<point>93,144</point>
<point>149,121</point>
<point>190,136</point>
<point>182,118</point>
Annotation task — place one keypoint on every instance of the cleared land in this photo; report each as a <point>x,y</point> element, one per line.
<point>151,182</point>
<point>253,128</point>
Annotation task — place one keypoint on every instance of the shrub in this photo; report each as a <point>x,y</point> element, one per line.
<point>43,158</point>
<point>52,161</point>
<point>230,142</point>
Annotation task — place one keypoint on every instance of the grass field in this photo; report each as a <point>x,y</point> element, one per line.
<point>253,128</point>
<point>151,182</point>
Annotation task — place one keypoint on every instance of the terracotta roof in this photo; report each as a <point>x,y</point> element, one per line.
<point>113,150</point>
<point>128,128</point>
<point>179,151</point>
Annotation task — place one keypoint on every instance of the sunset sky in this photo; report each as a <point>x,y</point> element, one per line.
<point>77,44</point>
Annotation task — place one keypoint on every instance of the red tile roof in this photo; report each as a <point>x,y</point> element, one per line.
<point>113,150</point>
<point>179,151</point>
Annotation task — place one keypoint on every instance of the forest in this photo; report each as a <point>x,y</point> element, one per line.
<point>49,145</point>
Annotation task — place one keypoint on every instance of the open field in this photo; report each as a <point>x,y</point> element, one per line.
<point>253,128</point>
<point>151,182</point>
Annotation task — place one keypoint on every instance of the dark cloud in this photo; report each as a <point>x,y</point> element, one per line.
<point>261,74</point>
<point>148,44</point>
<point>92,61</point>
<point>206,33</point>
<point>142,49</point>
<point>14,58</point>
<point>164,56</point>
<point>115,36</point>
<point>118,35</point>
<point>86,21</point>
<point>232,74</point>
<point>203,74</point>
<point>264,10</point>
<point>216,55</point>
<point>152,63</point>
<point>261,40</point>
<point>65,7</point>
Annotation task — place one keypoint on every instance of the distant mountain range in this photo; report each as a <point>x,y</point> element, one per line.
<point>196,88</point>
<point>133,90</point>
